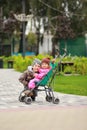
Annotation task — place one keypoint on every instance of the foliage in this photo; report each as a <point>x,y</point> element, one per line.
<point>21,63</point>
<point>66,18</point>
<point>41,56</point>
<point>68,69</point>
<point>32,38</point>
<point>10,24</point>
<point>16,6</point>
<point>68,58</point>
<point>75,10</point>
<point>1,57</point>
<point>80,65</point>
<point>78,15</point>
<point>63,29</point>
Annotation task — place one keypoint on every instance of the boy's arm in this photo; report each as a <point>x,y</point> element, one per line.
<point>22,78</point>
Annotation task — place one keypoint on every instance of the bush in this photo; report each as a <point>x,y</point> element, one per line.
<point>68,69</point>
<point>21,63</point>
<point>80,65</point>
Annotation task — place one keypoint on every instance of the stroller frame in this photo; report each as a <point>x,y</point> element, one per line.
<point>45,83</point>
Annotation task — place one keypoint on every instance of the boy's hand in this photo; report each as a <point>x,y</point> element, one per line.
<point>35,74</point>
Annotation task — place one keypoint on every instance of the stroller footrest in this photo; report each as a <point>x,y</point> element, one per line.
<point>40,89</point>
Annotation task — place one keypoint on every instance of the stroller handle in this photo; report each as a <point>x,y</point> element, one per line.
<point>65,52</point>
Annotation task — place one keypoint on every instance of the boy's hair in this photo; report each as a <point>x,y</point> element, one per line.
<point>36,61</point>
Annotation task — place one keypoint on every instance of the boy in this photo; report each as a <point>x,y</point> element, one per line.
<point>28,75</point>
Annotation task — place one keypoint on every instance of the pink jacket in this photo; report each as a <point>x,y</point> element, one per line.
<point>42,73</point>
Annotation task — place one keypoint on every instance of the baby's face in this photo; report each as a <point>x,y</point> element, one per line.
<point>44,65</point>
<point>36,67</point>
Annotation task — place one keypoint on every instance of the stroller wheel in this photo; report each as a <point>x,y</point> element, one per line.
<point>48,98</point>
<point>21,98</point>
<point>28,100</point>
<point>55,100</point>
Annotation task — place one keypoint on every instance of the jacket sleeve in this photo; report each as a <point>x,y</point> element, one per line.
<point>22,78</point>
<point>40,76</point>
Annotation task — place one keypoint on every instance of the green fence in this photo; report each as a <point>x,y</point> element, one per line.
<point>76,47</point>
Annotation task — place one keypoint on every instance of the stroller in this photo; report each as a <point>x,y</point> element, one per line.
<point>45,83</point>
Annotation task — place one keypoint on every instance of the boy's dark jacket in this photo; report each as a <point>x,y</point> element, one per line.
<point>26,77</point>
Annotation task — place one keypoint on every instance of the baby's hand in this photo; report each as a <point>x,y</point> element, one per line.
<point>53,60</point>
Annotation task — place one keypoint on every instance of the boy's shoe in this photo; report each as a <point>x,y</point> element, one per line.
<point>33,98</point>
<point>35,92</point>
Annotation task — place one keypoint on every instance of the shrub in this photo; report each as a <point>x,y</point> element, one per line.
<point>21,63</point>
<point>68,69</point>
<point>80,65</point>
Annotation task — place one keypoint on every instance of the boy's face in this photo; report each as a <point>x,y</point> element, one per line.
<point>36,67</point>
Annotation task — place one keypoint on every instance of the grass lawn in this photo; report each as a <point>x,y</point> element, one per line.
<point>71,84</point>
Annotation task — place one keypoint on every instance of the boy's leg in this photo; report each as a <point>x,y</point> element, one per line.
<point>34,94</point>
<point>28,92</point>
<point>33,98</point>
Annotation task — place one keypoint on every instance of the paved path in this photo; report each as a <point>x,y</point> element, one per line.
<point>69,114</point>
<point>10,89</point>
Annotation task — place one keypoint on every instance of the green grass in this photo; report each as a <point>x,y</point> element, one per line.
<point>71,84</point>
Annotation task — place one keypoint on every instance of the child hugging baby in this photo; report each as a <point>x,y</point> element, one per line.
<point>43,70</point>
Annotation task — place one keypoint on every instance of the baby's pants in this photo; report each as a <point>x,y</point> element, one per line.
<point>31,84</point>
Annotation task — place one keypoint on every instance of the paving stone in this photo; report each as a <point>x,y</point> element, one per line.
<point>10,89</point>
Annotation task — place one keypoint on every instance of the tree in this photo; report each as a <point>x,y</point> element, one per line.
<point>74,11</point>
<point>78,15</point>
<point>15,5</point>
<point>10,24</point>
<point>63,31</point>
<point>67,18</point>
